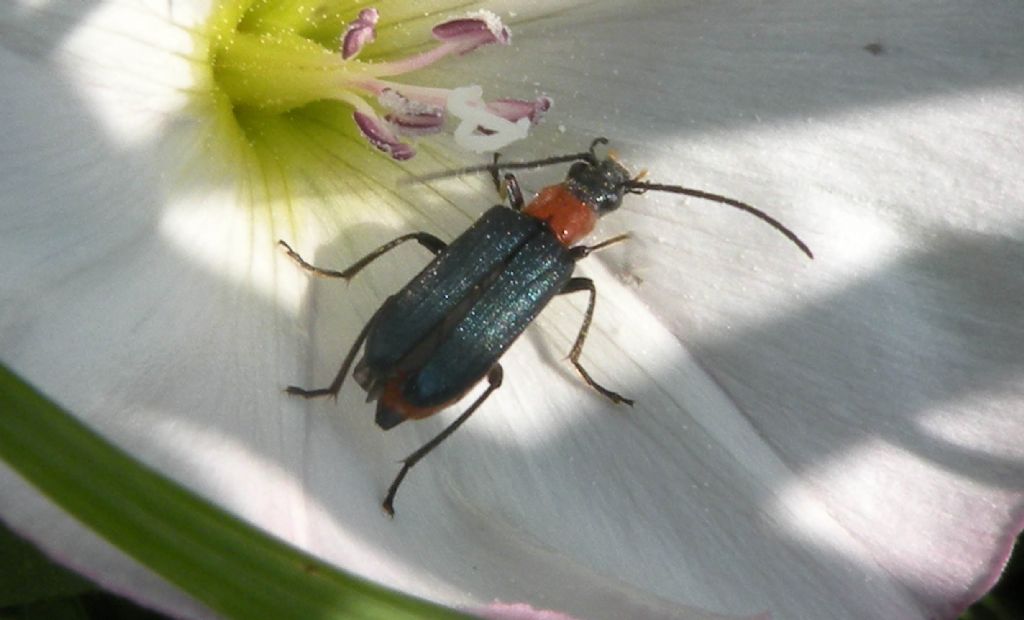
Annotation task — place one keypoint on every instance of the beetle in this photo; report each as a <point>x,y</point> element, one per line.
<point>444,332</point>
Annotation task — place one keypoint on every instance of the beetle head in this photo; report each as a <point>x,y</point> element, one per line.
<point>599,183</point>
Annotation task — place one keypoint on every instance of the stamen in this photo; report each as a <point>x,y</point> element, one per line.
<point>410,116</point>
<point>476,29</point>
<point>458,36</point>
<point>394,100</point>
<point>416,125</point>
<point>359,33</point>
<point>381,137</point>
<point>274,72</point>
<point>515,109</point>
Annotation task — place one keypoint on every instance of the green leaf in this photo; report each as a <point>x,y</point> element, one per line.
<point>230,566</point>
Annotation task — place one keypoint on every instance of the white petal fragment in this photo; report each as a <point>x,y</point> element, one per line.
<point>481,130</point>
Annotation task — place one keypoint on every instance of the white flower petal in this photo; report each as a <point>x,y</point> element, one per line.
<point>886,372</point>
<point>127,297</point>
<point>103,310</point>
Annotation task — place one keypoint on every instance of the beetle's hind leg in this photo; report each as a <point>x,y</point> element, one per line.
<point>427,240</point>
<point>494,377</point>
<point>576,285</point>
<point>346,364</point>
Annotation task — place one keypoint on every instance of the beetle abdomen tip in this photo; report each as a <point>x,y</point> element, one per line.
<point>388,418</point>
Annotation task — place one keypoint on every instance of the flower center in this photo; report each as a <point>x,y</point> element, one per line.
<point>282,68</point>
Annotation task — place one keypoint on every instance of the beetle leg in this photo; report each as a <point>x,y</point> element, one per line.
<point>507,186</point>
<point>494,377</point>
<point>427,240</point>
<point>582,251</point>
<point>493,170</point>
<point>576,285</point>
<point>514,193</point>
<point>335,386</point>
<point>432,243</point>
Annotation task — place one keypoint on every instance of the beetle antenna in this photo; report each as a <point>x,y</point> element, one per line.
<point>496,166</point>
<point>635,186</point>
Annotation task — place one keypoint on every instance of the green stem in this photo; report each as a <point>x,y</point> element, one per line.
<point>228,565</point>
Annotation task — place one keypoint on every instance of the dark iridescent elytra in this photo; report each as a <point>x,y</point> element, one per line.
<point>446,328</point>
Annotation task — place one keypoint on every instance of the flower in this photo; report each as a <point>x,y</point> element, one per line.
<point>837,438</point>
<point>272,61</point>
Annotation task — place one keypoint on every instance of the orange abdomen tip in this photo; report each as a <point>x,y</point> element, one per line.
<point>393,408</point>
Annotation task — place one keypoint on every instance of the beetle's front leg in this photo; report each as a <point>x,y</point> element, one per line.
<point>507,186</point>
<point>580,252</point>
